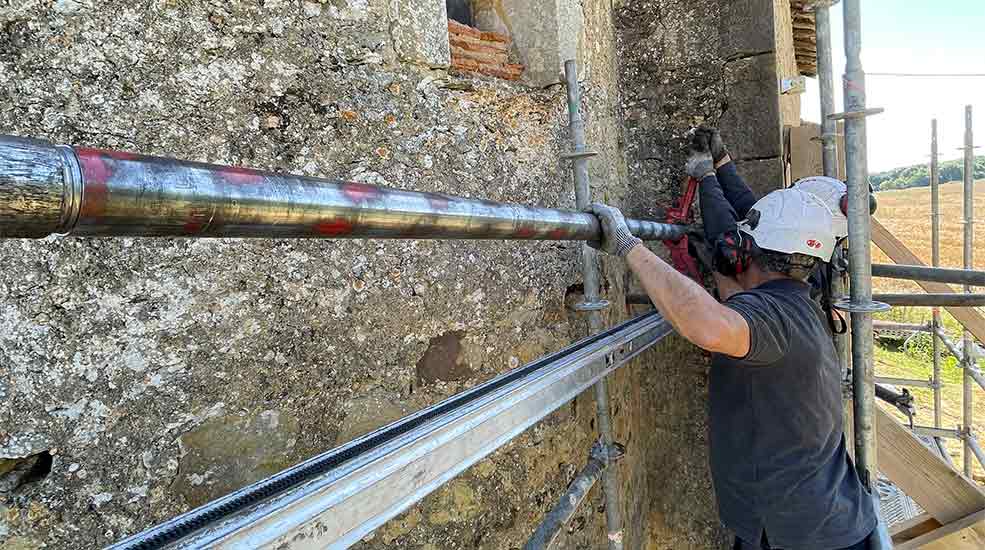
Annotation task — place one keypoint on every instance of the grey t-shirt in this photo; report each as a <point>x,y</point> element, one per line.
<point>778,455</point>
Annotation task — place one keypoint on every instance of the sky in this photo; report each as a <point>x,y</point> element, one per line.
<point>914,36</point>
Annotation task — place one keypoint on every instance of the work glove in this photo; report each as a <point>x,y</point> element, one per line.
<point>616,238</point>
<point>699,165</point>
<point>699,162</point>
<point>710,139</point>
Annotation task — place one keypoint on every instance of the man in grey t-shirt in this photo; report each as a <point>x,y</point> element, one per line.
<point>781,470</point>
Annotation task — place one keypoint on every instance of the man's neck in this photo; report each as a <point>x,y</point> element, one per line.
<point>757,277</point>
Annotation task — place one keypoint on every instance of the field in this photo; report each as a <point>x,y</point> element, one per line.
<point>906,213</point>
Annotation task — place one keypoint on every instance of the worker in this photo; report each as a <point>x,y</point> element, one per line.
<point>779,462</point>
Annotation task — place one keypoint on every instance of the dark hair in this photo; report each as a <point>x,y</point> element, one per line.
<point>798,266</point>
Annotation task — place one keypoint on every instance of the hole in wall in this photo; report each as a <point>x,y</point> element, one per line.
<point>18,472</point>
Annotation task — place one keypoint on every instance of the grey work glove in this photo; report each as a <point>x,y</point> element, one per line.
<point>700,165</point>
<point>699,161</point>
<point>709,139</point>
<point>616,238</point>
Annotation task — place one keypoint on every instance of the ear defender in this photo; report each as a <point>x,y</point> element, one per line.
<point>734,253</point>
<point>873,203</point>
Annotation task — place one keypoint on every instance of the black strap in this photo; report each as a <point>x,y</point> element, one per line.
<point>836,322</point>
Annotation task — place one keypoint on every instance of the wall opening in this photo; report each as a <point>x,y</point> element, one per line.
<point>480,39</point>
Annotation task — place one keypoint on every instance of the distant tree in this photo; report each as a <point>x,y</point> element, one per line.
<point>918,175</point>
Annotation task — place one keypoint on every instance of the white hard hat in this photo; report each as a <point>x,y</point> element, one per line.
<point>831,192</point>
<point>791,221</point>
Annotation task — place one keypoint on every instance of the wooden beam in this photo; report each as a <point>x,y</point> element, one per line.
<point>970,539</point>
<point>942,491</point>
<point>913,527</point>
<point>899,253</point>
<point>937,487</point>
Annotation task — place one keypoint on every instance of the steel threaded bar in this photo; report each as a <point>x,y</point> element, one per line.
<point>48,189</point>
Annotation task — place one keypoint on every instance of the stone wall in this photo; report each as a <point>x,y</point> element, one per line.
<point>148,376</point>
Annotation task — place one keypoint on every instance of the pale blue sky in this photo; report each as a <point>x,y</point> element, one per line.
<point>914,36</point>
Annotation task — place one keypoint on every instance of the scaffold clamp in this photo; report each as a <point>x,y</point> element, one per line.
<point>856,114</point>
<point>571,155</point>
<point>597,305</point>
<point>846,304</point>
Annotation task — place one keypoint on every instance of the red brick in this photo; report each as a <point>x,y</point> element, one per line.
<point>464,64</point>
<point>495,37</point>
<point>467,43</point>
<point>506,72</point>
<point>458,28</point>
<point>485,57</point>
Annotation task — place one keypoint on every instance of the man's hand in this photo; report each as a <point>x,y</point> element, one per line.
<point>699,160</point>
<point>616,238</point>
<point>711,140</point>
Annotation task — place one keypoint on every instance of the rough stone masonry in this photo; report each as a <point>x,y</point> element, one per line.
<point>140,377</point>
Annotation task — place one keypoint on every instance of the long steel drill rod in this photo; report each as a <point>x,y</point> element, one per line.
<point>50,189</point>
<point>935,260</point>
<point>932,274</point>
<point>969,240</point>
<point>590,274</point>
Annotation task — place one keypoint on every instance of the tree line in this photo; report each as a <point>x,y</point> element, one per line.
<point>918,175</point>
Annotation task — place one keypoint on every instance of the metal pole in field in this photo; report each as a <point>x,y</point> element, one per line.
<point>935,258</point>
<point>592,304</point>
<point>829,150</point>
<point>969,239</point>
<point>860,304</point>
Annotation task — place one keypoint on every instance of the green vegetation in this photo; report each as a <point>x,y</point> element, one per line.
<point>918,175</point>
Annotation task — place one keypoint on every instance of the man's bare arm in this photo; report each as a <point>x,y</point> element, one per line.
<point>695,314</point>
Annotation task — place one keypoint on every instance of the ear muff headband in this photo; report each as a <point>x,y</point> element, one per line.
<point>734,253</point>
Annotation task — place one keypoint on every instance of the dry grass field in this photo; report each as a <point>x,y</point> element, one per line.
<point>907,214</point>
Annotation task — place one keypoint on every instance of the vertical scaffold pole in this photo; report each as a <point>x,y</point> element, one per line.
<point>860,263</point>
<point>969,240</point>
<point>859,234</point>
<point>592,304</point>
<point>825,79</point>
<point>829,150</point>
<point>935,257</point>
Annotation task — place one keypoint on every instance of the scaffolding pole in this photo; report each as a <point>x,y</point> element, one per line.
<point>592,303</point>
<point>859,247</point>
<point>829,155</point>
<point>860,304</point>
<point>969,240</point>
<point>935,258</point>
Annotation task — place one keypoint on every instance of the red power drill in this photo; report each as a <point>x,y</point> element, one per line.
<point>681,214</point>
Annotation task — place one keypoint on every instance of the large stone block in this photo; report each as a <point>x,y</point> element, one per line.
<point>747,28</point>
<point>545,35</point>
<point>751,121</point>
<point>762,175</point>
<point>420,32</point>
<point>232,451</point>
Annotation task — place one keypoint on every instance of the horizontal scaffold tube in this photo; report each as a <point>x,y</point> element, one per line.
<point>55,189</point>
<point>931,274</point>
<point>943,299</point>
